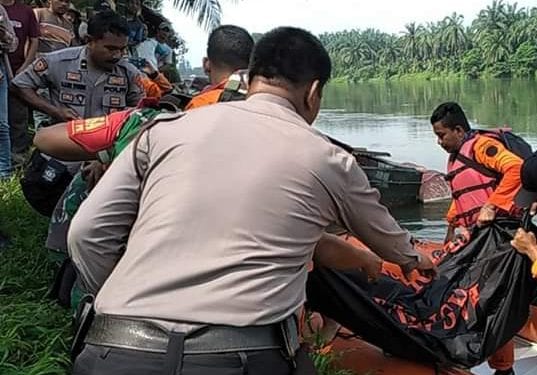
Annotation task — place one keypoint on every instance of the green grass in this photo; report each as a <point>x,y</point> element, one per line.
<point>34,331</point>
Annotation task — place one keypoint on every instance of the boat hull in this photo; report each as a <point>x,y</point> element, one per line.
<point>398,185</point>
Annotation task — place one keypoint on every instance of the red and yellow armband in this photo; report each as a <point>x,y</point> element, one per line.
<point>98,133</point>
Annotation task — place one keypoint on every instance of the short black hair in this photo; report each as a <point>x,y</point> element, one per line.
<point>291,54</point>
<point>230,46</point>
<point>107,22</point>
<point>101,5</point>
<point>450,114</point>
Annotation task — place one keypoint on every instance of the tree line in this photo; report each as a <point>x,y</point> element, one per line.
<point>500,43</point>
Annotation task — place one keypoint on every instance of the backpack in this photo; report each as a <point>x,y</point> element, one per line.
<point>514,143</point>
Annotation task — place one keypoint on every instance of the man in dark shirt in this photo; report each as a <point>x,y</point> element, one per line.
<point>27,30</point>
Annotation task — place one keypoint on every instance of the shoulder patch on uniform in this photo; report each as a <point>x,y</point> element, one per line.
<point>491,151</point>
<point>40,65</point>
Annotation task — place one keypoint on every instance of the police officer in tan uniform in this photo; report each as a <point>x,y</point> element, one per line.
<point>86,81</point>
<point>196,240</point>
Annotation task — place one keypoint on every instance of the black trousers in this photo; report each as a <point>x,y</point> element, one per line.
<point>101,360</point>
<point>19,116</point>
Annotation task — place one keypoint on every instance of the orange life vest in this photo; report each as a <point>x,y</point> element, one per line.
<point>471,184</point>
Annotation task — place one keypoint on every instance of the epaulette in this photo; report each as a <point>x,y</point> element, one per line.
<point>236,87</point>
<point>124,63</point>
<point>161,117</point>
<point>65,54</point>
<point>238,82</point>
<point>168,116</point>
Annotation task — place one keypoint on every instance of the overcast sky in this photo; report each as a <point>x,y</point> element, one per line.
<point>319,16</point>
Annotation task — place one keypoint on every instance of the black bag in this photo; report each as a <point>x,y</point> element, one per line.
<point>480,301</point>
<point>513,142</point>
<point>44,182</point>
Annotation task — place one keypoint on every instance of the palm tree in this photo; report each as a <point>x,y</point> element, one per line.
<point>454,34</point>
<point>207,12</point>
<point>410,40</point>
<point>424,43</point>
<point>390,52</point>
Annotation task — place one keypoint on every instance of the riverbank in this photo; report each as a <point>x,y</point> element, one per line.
<point>423,76</point>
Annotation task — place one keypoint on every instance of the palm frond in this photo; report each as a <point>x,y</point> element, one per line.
<point>208,12</point>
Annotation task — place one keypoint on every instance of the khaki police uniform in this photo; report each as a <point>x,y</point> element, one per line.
<point>73,83</point>
<point>218,230</point>
<point>90,92</point>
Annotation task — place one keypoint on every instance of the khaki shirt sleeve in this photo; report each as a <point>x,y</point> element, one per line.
<point>35,76</point>
<point>100,229</point>
<point>136,88</point>
<point>362,213</point>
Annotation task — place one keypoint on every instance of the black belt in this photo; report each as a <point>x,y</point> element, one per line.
<point>112,331</point>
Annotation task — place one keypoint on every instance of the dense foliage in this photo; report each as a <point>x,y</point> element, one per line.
<point>500,42</point>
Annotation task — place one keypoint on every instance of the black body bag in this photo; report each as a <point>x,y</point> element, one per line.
<point>479,302</point>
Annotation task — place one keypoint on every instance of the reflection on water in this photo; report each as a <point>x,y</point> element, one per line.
<point>406,138</point>
<point>486,102</point>
<point>425,221</point>
<point>394,117</point>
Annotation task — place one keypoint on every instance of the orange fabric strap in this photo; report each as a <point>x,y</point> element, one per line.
<point>534,270</point>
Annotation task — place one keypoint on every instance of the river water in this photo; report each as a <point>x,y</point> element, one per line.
<point>394,117</point>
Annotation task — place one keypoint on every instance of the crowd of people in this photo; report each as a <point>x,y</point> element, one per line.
<point>185,232</point>
<point>51,56</point>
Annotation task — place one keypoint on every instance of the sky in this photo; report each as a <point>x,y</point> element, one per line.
<point>320,16</point>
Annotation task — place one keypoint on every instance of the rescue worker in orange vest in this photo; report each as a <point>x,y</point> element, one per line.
<point>228,51</point>
<point>484,177</point>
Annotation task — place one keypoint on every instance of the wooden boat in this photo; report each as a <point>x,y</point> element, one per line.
<point>361,357</point>
<point>399,185</point>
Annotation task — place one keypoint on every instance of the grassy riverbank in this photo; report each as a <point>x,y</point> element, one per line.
<point>34,331</point>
